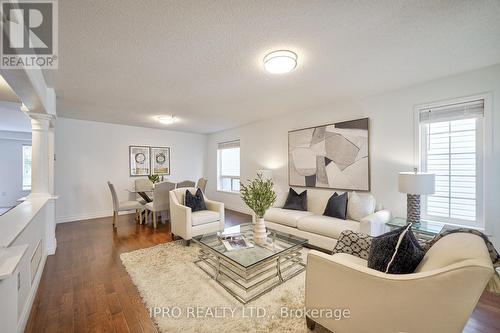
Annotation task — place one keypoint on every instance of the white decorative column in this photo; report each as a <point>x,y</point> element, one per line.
<point>40,124</point>
<point>42,170</point>
<point>51,153</point>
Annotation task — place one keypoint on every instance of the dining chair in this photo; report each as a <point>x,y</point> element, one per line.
<point>185,183</point>
<point>202,184</point>
<point>161,201</point>
<point>143,185</point>
<point>119,206</point>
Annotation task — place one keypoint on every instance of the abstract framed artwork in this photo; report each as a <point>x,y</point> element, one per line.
<point>334,156</point>
<point>139,161</point>
<point>160,159</point>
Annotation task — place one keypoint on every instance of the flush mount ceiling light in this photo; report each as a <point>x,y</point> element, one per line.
<point>166,120</point>
<point>280,62</point>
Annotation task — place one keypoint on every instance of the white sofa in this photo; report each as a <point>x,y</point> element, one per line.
<point>439,297</point>
<point>323,231</point>
<point>188,224</point>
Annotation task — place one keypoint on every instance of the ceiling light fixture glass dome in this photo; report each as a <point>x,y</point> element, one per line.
<point>166,120</point>
<point>280,62</point>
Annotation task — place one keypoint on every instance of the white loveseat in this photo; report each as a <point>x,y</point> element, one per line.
<point>438,297</point>
<point>323,231</point>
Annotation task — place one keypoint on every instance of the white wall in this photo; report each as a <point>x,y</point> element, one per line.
<point>264,144</point>
<point>11,171</point>
<point>90,153</point>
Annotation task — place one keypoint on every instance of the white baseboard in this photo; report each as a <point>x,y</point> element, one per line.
<point>97,215</point>
<point>87,216</point>
<point>23,319</point>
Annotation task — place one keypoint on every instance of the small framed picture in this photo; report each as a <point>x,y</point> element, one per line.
<point>139,161</point>
<point>160,159</point>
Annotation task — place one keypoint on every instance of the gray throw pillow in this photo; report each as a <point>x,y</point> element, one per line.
<point>354,243</point>
<point>296,201</point>
<point>196,202</point>
<point>337,206</point>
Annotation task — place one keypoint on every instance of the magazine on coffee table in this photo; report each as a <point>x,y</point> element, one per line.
<point>229,236</point>
<point>236,243</point>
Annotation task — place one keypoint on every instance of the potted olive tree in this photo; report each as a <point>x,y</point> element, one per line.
<point>258,195</point>
<point>154,179</point>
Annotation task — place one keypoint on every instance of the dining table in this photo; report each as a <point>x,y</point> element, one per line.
<point>142,193</point>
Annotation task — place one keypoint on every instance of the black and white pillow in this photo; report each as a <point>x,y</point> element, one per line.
<point>296,201</point>
<point>354,243</point>
<point>396,252</point>
<point>196,202</point>
<point>337,206</point>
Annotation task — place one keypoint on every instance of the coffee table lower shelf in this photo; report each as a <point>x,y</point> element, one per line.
<point>248,284</point>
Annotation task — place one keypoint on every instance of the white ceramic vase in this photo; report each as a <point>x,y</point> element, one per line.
<point>259,231</point>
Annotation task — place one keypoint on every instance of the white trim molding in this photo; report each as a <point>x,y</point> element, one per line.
<point>88,216</point>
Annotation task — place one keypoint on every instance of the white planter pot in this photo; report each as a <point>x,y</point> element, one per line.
<point>259,231</point>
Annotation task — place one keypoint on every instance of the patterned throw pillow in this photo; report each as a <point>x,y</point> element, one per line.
<point>355,243</point>
<point>396,252</point>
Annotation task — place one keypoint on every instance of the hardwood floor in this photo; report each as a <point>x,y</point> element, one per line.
<point>84,287</point>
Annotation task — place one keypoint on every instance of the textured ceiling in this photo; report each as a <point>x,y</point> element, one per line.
<point>129,61</point>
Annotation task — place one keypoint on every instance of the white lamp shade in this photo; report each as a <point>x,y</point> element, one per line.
<point>266,174</point>
<point>417,183</point>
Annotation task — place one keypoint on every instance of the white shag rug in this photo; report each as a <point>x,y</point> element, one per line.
<point>191,301</point>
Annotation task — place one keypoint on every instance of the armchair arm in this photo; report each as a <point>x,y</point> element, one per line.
<point>374,224</point>
<point>180,217</point>
<point>216,207</point>
<point>379,302</point>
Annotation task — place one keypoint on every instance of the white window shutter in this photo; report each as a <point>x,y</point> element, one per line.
<point>450,149</point>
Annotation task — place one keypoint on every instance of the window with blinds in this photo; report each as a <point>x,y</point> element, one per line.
<point>228,166</point>
<point>452,148</point>
<point>26,167</point>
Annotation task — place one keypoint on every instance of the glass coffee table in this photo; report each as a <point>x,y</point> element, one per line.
<point>251,272</point>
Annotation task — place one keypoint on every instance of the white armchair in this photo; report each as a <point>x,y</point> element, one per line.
<point>439,297</point>
<point>187,224</point>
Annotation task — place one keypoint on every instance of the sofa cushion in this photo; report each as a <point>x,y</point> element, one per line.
<point>360,205</point>
<point>337,206</point>
<point>204,216</point>
<point>285,216</point>
<point>296,201</point>
<point>326,226</point>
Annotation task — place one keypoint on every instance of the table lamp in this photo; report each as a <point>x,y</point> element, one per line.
<point>415,184</point>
